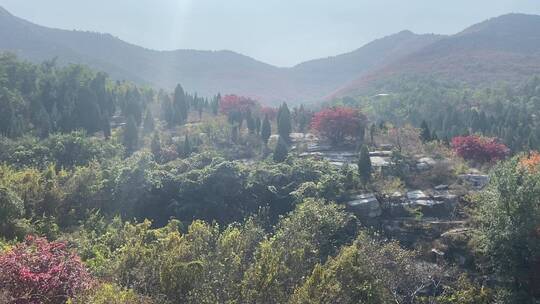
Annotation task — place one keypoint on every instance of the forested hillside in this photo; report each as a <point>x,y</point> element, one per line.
<point>503,49</point>
<point>115,193</point>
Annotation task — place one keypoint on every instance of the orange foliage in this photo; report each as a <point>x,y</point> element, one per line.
<point>530,163</point>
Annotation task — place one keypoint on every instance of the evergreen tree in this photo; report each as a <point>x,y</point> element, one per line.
<point>258,125</point>
<point>131,135</point>
<point>284,122</point>
<point>372,131</point>
<point>281,151</point>
<point>106,127</point>
<point>148,124</point>
<point>364,165</point>
<point>266,130</point>
<point>425,133</point>
<point>180,105</point>
<point>187,147</point>
<point>155,145</point>
<point>434,136</point>
<point>250,122</point>
<point>215,104</point>
<point>234,134</point>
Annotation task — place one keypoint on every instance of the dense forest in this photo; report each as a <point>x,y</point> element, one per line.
<point>451,109</point>
<point>116,193</point>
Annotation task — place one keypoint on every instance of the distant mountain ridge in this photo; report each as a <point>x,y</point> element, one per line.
<point>504,48</point>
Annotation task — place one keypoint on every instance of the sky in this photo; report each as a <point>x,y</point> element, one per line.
<point>278,32</point>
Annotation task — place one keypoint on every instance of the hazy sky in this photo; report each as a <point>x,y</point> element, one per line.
<point>282,33</point>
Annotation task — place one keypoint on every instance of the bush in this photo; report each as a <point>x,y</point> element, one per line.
<point>111,294</point>
<point>37,271</point>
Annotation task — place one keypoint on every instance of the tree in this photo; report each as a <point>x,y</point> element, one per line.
<point>480,149</point>
<point>38,271</point>
<point>148,124</point>
<point>364,165</point>
<point>284,122</point>
<point>11,209</point>
<point>507,215</point>
<point>106,127</point>
<point>250,122</point>
<point>266,130</point>
<point>187,147</point>
<point>180,105</point>
<point>155,145</point>
<point>425,133</point>
<point>368,271</point>
<point>131,135</point>
<point>339,123</point>
<point>281,151</point>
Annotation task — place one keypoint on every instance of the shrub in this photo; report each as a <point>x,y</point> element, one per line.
<point>37,271</point>
<point>480,149</point>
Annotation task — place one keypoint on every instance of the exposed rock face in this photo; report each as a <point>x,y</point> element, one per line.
<point>478,181</point>
<point>366,206</point>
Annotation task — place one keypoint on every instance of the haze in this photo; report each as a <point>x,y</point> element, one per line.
<point>281,33</point>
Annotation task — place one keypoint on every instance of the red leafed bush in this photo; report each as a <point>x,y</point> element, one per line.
<point>234,103</point>
<point>338,123</point>
<point>37,271</point>
<point>270,112</point>
<point>480,149</point>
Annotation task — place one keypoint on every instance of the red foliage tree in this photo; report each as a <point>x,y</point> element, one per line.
<point>235,103</point>
<point>37,271</point>
<point>480,149</point>
<point>338,123</point>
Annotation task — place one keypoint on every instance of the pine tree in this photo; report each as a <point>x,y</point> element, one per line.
<point>425,133</point>
<point>148,124</point>
<point>281,151</point>
<point>364,165</point>
<point>131,135</point>
<point>266,130</point>
<point>284,122</point>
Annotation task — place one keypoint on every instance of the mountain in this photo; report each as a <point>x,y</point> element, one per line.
<point>506,48</point>
<point>205,72</point>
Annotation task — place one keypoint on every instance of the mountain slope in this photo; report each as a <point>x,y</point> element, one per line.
<point>505,48</point>
<point>205,72</point>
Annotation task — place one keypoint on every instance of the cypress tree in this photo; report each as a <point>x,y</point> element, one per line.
<point>131,135</point>
<point>234,134</point>
<point>281,151</point>
<point>258,125</point>
<point>148,124</point>
<point>364,165</point>
<point>425,133</point>
<point>250,122</point>
<point>106,126</point>
<point>155,145</point>
<point>284,122</point>
<point>187,147</point>
<point>266,130</point>
<point>180,104</point>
